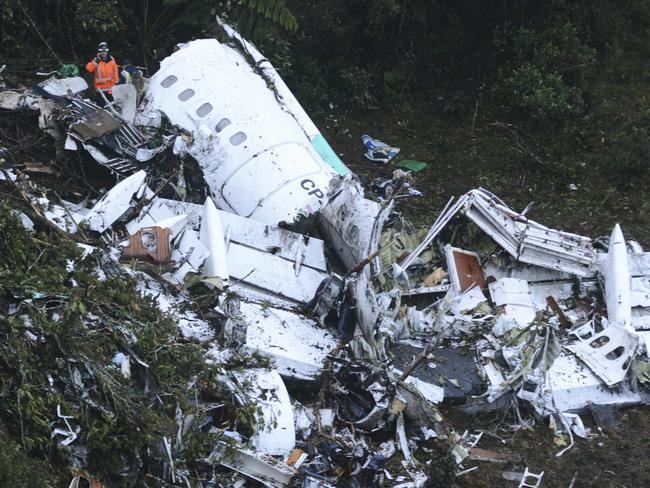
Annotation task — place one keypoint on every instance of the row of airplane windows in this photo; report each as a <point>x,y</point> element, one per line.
<point>236,139</point>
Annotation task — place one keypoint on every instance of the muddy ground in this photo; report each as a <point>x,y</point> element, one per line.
<point>565,170</point>
<point>517,165</point>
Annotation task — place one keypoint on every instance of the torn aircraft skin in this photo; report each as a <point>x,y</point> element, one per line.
<point>257,148</point>
<point>324,347</point>
<point>255,157</point>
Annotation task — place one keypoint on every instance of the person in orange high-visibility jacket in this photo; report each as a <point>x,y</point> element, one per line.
<point>105,70</point>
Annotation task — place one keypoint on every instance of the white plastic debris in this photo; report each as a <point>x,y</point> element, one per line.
<point>617,280</point>
<point>275,432</point>
<point>468,301</point>
<point>125,95</point>
<point>64,86</point>
<point>63,215</point>
<point>251,464</point>
<point>513,295</point>
<point>69,433</point>
<point>401,437</point>
<point>123,361</point>
<point>504,323</point>
<point>26,222</point>
<point>114,203</point>
<point>11,100</point>
<point>434,393</point>
<point>297,345</point>
<point>70,144</point>
<point>188,253</point>
<point>326,417</point>
<point>212,237</point>
<point>530,479</point>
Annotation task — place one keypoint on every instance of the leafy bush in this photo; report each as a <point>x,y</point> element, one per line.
<point>357,87</point>
<point>396,80</point>
<point>454,105</point>
<point>630,145</point>
<point>61,326</point>
<point>308,82</point>
<point>543,95</point>
<point>543,72</point>
<point>17,469</point>
<point>278,51</point>
<point>99,18</point>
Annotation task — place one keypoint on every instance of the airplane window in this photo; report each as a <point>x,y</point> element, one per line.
<point>223,123</point>
<point>185,95</point>
<point>237,139</point>
<point>169,81</point>
<point>204,110</point>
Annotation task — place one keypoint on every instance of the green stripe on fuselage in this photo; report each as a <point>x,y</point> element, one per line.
<point>329,156</point>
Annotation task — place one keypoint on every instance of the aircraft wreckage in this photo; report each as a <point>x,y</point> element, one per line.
<point>312,274</point>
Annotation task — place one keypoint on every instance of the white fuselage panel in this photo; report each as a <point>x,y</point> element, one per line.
<point>256,159</point>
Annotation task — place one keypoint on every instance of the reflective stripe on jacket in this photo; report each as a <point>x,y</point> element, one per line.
<point>126,76</point>
<point>106,73</point>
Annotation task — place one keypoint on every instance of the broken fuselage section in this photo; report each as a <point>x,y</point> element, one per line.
<point>261,155</point>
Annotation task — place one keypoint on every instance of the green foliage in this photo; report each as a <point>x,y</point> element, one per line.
<point>18,470</point>
<point>543,51</point>
<point>243,361</point>
<point>455,104</point>
<point>278,50</point>
<point>57,348</point>
<point>543,72</point>
<point>542,95</point>
<point>534,54</point>
<point>556,47</point>
<point>616,26</point>
<point>630,145</point>
<point>35,32</point>
<point>396,78</point>
<point>98,17</point>
<point>356,87</point>
<point>249,417</point>
<point>310,84</point>
<point>8,13</point>
<point>275,10</point>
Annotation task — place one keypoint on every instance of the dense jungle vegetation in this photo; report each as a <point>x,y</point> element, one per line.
<point>535,59</point>
<point>535,100</point>
<point>533,65</point>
